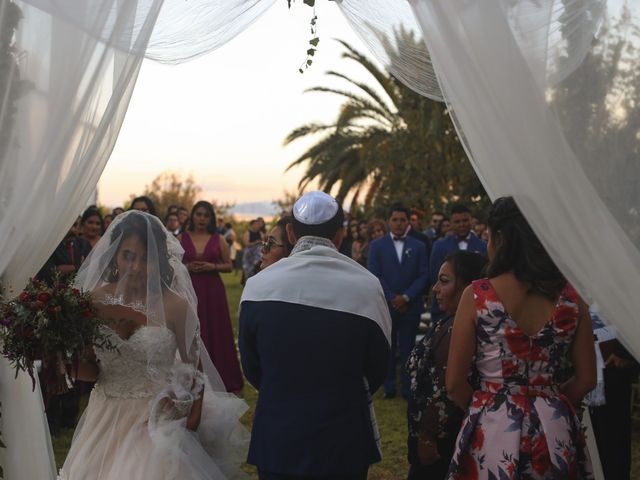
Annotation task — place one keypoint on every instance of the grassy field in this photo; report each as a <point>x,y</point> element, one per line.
<point>390,415</point>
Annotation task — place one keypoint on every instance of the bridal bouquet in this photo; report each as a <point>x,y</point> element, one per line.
<point>53,324</point>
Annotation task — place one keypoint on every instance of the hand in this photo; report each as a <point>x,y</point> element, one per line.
<point>195,266</point>
<point>616,362</point>
<point>427,451</point>
<point>398,303</point>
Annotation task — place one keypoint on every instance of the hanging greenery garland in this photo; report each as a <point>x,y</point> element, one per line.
<point>313,43</point>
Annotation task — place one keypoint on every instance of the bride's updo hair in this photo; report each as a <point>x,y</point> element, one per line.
<point>518,250</point>
<point>137,224</point>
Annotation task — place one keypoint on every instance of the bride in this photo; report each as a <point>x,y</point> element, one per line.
<point>159,409</point>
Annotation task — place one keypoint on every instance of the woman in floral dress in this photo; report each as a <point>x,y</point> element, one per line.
<point>434,420</point>
<point>521,323</point>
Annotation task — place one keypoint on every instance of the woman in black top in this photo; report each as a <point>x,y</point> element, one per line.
<point>433,419</point>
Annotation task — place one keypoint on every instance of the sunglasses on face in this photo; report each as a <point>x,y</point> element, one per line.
<point>267,246</point>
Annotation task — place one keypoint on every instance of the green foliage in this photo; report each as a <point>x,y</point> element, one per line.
<point>169,188</point>
<point>598,109</point>
<point>387,144</point>
<point>222,209</point>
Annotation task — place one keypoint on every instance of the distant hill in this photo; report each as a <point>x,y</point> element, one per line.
<point>254,209</point>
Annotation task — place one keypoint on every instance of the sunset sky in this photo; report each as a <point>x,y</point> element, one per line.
<point>223,117</point>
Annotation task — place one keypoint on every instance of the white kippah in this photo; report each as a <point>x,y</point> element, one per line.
<point>314,208</point>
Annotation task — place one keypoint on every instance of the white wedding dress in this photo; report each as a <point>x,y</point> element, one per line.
<point>121,435</point>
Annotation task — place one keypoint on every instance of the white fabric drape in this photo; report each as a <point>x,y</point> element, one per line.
<point>564,144</point>
<point>67,72</point>
<point>546,114</point>
<point>64,95</point>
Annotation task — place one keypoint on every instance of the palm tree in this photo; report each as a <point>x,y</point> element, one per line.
<point>387,144</point>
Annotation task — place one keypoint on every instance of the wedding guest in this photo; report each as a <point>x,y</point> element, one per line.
<point>278,245</point>
<point>108,218</point>
<point>183,217</point>
<point>414,221</point>
<point>520,323</point>
<point>117,211</point>
<point>462,239</point>
<point>445,229</point>
<point>172,209</point>
<point>346,248</point>
<point>68,255</point>
<point>252,240</point>
<point>361,243</point>
<point>222,226</point>
<point>91,226</point>
<point>479,228</point>
<point>434,420</point>
<point>314,337</point>
<point>62,410</point>
<point>619,372</point>
<point>206,254</point>
<point>230,237</point>
<point>377,228</point>
<point>172,223</point>
<point>401,264</point>
<point>143,204</point>
<point>434,228</point>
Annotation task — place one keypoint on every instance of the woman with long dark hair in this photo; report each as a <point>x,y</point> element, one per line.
<point>91,225</point>
<point>159,409</point>
<point>206,254</point>
<point>521,324</point>
<point>434,420</point>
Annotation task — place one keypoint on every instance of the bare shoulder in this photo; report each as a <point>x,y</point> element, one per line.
<point>101,292</point>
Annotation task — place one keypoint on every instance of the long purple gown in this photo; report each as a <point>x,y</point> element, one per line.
<point>213,312</point>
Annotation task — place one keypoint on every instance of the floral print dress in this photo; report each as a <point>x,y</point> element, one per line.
<point>518,424</point>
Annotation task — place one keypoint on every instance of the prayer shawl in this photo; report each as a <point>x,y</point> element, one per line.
<point>317,275</point>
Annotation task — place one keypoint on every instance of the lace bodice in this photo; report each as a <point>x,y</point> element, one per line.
<point>140,366</point>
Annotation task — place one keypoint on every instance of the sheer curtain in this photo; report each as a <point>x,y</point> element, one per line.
<point>67,72</point>
<point>548,114</point>
<point>64,95</point>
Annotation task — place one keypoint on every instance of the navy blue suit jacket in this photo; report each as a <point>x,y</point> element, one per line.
<point>441,249</point>
<point>312,416</point>
<point>449,244</point>
<point>409,277</point>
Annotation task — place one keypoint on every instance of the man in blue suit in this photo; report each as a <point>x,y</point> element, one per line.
<point>462,239</point>
<point>400,262</point>
<point>314,340</point>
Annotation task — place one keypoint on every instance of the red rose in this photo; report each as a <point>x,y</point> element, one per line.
<point>24,296</point>
<point>43,297</point>
<point>87,314</point>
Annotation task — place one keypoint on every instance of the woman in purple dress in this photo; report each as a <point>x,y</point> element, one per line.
<point>206,254</point>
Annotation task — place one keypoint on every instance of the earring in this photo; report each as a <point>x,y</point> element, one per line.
<point>114,272</point>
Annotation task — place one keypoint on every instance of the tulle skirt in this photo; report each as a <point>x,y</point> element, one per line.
<point>113,441</point>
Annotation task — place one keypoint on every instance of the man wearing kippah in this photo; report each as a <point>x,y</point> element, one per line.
<point>314,340</point>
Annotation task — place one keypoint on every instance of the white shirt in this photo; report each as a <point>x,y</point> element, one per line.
<point>464,243</point>
<point>399,244</point>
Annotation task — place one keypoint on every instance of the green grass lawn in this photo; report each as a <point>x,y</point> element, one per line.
<point>390,415</point>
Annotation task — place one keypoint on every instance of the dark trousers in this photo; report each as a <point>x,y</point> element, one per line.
<point>437,470</point>
<point>404,328</point>
<point>279,476</point>
<point>612,425</point>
